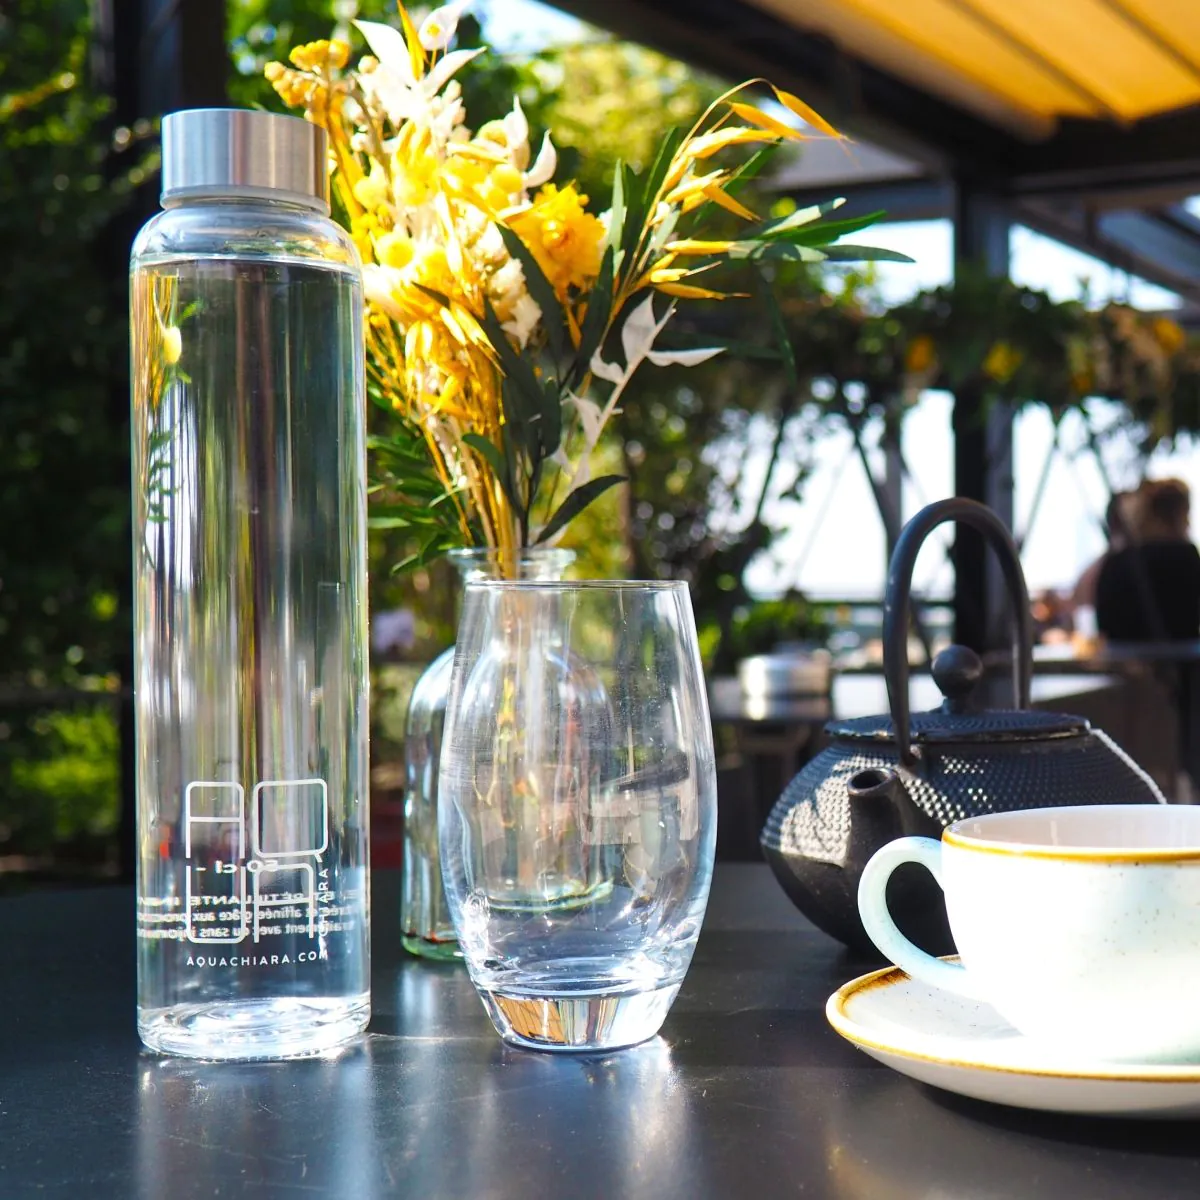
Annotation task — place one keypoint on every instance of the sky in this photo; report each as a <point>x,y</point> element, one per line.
<point>815,553</point>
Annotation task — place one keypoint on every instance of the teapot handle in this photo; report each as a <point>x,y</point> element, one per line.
<point>899,588</point>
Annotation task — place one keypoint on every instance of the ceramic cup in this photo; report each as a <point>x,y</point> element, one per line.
<point>1079,925</point>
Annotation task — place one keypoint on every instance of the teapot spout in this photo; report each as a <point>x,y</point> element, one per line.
<point>877,802</point>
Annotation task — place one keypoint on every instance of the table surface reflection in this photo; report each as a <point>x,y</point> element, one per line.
<point>746,1092</point>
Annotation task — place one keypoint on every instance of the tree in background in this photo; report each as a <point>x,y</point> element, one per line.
<point>64,484</point>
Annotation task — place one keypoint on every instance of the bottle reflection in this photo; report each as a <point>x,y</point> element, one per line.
<point>252,1128</point>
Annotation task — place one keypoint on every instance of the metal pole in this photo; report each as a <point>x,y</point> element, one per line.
<point>983,465</point>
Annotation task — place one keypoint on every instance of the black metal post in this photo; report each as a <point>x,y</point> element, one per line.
<point>983,464</point>
<point>152,57</point>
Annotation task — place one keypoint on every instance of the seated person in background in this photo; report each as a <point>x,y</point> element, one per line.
<point>1149,591</point>
<point>1051,618</point>
<point>1116,530</point>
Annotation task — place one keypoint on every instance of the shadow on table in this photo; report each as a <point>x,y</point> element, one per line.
<point>1173,1138</point>
<point>896,1140</point>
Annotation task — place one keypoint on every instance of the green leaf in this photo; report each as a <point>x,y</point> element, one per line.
<point>499,467</point>
<point>750,169</point>
<point>779,329</point>
<point>391,523</point>
<point>616,220</point>
<point>848,253</point>
<point>639,197</point>
<point>440,297</point>
<point>595,323</point>
<point>516,367</point>
<point>521,395</point>
<point>435,546</point>
<point>637,210</point>
<point>662,162</point>
<point>576,502</point>
<point>542,291</point>
<point>821,233</point>
<point>795,220</point>
<point>775,252</point>
<point>550,425</point>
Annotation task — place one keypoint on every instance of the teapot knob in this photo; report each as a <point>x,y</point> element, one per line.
<point>956,671</point>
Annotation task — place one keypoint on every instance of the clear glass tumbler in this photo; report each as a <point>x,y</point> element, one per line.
<point>577,806</point>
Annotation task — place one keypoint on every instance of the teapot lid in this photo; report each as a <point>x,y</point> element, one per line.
<point>992,725</point>
<point>956,671</point>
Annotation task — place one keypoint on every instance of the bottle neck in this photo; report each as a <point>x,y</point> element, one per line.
<point>548,563</point>
<point>245,197</point>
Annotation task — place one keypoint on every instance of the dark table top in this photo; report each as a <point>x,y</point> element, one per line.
<point>746,1092</point>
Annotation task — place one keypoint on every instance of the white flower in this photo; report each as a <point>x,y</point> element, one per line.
<point>516,131</point>
<point>508,281</point>
<point>388,45</point>
<point>394,87</point>
<point>526,315</point>
<point>379,284</point>
<point>437,30</point>
<point>640,329</point>
<point>491,246</point>
<point>544,165</point>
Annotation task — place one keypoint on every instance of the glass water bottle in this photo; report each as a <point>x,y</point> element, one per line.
<point>249,504</point>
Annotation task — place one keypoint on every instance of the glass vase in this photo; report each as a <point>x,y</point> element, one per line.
<point>425,926</point>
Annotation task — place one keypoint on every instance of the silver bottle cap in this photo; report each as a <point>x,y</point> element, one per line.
<point>243,152</point>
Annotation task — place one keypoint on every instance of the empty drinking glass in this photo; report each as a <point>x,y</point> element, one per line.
<point>577,806</point>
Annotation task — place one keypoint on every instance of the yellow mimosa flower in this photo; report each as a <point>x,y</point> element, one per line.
<point>172,344</point>
<point>563,236</point>
<point>394,249</point>
<point>372,191</point>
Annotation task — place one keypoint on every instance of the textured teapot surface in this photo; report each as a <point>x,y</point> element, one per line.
<point>823,829</point>
<point>903,774</point>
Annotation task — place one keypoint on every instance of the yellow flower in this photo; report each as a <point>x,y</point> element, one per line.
<point>371,191</point>
<point>920,355</point>
<point>315,56</point>
<point>172,344</point>
<point>394,249</point>
<point>563,237</point>
<point>1001,362</point>
<point>1168,334</point>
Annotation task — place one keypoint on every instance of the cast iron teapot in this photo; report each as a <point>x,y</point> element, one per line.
<point>891,776</point>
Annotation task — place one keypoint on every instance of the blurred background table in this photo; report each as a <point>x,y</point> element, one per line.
<point>763,742</point>
<point>746,1082</point>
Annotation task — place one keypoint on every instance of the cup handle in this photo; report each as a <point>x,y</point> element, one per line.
<point>881,929</point>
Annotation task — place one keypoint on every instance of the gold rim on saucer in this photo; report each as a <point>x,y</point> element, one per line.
<point>837,1014</point>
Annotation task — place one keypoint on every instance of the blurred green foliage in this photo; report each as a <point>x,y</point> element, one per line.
<point>64,175</point>
<point>68,787</point>
<point>759,627</point>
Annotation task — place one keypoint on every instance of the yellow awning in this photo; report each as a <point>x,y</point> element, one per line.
<point>1024,63</point>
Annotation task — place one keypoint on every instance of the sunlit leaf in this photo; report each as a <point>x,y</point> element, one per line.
<point>727,202</point>
<point>805,112</point>
<point>576,502</point>
<point>684,358</point>
<point>765,121</point>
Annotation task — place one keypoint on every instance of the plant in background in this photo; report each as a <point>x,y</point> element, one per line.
<point>65,176</point>
<point>505,318</point>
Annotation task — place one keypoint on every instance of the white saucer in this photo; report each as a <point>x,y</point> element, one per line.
<point>966,1047</point>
